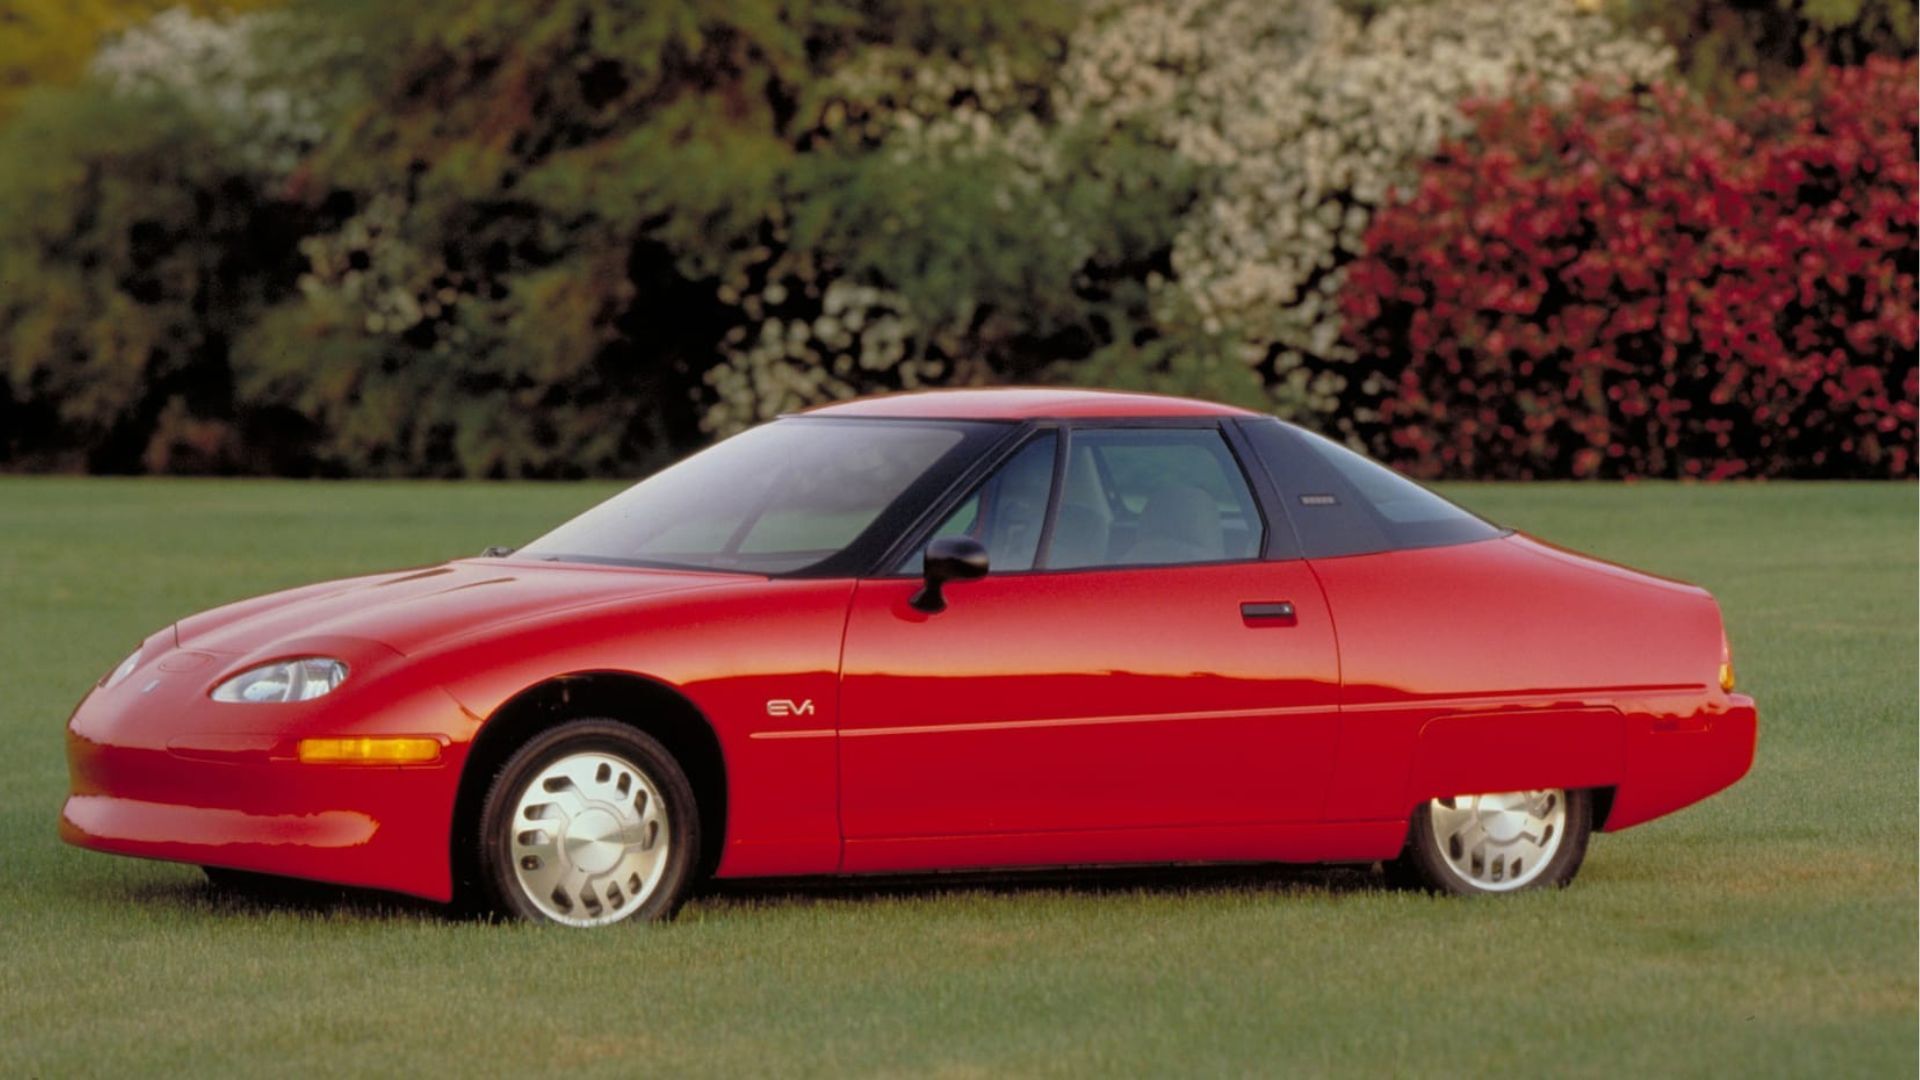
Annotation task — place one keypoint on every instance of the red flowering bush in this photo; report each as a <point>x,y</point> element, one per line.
<point>1637,285</point>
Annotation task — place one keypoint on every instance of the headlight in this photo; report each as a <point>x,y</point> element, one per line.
<point>125,669</point>
<point>302,679</point>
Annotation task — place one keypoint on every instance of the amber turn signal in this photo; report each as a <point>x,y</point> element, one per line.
<point>1726,676</point>
<point>382,750</point>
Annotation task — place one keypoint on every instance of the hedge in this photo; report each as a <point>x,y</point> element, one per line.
<point>1636,285</point>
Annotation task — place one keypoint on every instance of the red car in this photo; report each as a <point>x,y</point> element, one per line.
<point>970,629</point>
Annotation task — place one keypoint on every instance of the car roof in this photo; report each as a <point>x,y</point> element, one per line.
<point>1023,403</point>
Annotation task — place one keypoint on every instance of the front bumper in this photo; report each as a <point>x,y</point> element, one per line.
<point>161,772</point>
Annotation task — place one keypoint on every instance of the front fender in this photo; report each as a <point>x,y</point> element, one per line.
<point>759,660</point>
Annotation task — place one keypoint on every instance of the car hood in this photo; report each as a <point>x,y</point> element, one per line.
<point>411,610</point>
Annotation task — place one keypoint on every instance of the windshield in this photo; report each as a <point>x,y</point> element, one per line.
<point>779,498</point>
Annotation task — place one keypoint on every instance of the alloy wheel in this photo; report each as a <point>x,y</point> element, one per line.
<point>590,839</point>
<point>1499,842</point>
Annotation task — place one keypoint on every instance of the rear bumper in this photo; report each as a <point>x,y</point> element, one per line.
<point>158,784</point>
<point>1675,761</point>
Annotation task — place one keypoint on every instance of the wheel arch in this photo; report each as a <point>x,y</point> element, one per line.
<point>1517,750</point>
<point>647,704</point>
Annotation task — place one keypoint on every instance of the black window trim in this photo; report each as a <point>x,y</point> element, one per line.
<point>1056,490</point>
<point>944,503</point>
<point>1283,536</point>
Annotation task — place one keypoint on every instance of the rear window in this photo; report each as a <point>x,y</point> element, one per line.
<point>1342,503</point>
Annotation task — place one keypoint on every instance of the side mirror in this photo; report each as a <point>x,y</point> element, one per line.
<point>950,558</point>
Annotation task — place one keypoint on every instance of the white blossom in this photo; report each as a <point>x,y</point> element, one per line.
<point>1303,118</point>
<point>217,66</point>
<point>1307,120</point>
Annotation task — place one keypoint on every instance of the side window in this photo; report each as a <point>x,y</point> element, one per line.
<point>1342,503</point>
<point>1007,511</point>
<point>1152,496</point>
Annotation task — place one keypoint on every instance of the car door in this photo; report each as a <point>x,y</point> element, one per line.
<point>1134,679</point>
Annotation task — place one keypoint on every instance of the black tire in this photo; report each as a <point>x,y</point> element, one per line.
<point>1424,863</point>
<point>653,767</point>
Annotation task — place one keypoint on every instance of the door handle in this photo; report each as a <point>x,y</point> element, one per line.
<point>1269,613</point>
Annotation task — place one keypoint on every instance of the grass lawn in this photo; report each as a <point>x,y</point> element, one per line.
<point>1770,930</point>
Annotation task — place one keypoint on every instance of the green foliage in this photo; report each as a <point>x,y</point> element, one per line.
<point>1198,368</point>
<point>1365,11</point>
<point>1721,40</point>
<point>1308,119</point>
<point>132,253</point>
<point>558,212</point>
<point>505,239</point>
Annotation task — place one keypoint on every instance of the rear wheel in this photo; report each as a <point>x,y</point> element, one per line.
<point>590,823</point>
<point>1502,842</point>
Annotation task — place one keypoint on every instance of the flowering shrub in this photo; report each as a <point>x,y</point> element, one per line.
<point>1305,116</point>
<point>237,74</point>
<point>1634,285</point>
<point>958,224</point>
<point>1299,115</point>
<point>808,328</point>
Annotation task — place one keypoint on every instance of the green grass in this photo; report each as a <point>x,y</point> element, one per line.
<point>1768,930</point>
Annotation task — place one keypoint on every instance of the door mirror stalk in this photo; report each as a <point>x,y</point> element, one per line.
<point>950,558</point>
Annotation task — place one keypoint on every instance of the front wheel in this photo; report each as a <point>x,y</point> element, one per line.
<point>590,823</point>
<point>1503,842</point>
